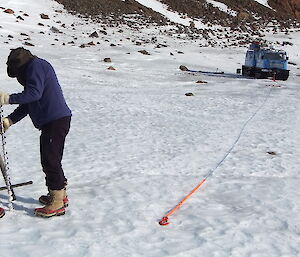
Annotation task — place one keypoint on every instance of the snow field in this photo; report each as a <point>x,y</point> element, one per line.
<point>138,146</point>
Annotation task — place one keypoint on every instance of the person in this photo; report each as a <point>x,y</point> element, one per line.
<point>43,100</point>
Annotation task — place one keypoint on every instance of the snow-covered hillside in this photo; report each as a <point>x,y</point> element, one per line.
<point>138,145</point>
<point>172,16</point>
<point>263,2</point>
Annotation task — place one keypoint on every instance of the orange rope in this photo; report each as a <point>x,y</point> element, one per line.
<point>165,219</point>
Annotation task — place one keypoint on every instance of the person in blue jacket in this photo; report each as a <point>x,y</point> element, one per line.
<point>43,100</point>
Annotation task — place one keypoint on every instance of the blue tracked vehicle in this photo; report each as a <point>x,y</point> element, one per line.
<point>263,62</point>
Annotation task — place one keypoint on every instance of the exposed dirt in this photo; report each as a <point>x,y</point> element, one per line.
<point>285,9</point>
<point>116,9</point>
<point>289,8</point>
<point>251,19</point>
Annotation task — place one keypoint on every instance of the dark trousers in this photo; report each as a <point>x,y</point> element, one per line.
<point>52,142</point>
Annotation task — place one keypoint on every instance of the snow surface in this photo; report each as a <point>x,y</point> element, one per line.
<point>172,16</point>
<point>222,7</point>
<point>138,146</point>
<point>163,9</point>
<point>263,2</point>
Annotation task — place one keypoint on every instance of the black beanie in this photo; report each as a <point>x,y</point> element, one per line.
<point>16,60</point>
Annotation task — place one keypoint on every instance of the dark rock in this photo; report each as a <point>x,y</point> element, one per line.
<point>55,30</point>
<point>20,18</point>
<point>284,43</point>
<point>9,11</point>
<point>44,16</point>
<point>144,52</point>
<point>201,82</point>
<point>94,34</point>
<point>28,44</point>
<point>183,68</point>
<point>103,32</point>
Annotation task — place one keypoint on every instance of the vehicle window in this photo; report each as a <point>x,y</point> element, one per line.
<point>274,56</point>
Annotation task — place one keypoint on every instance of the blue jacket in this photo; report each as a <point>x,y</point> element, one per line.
<point>42,97</point>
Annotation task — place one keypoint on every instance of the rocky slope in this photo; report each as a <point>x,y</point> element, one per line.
<point>250,19</point>
<point>113,10</point>
<point>289,8</point>
<point>283,10</point>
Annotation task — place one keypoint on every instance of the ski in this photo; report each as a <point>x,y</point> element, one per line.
<point>184,68</point>
<point>213,73</point>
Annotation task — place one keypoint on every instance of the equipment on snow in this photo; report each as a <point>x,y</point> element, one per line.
<point>5,169</point>
<point>212,73</point>
<point>165,220</point>
<point>4,164</point>
<point>262,62</point>
<point>17,185</point>
<point>184,68</point>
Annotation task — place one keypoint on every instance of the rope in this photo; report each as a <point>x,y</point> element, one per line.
<point>165,220</point>
<point>240,134</point>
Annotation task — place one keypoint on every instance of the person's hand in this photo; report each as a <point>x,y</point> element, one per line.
<point>4,98</point>
<point>6,123</point>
